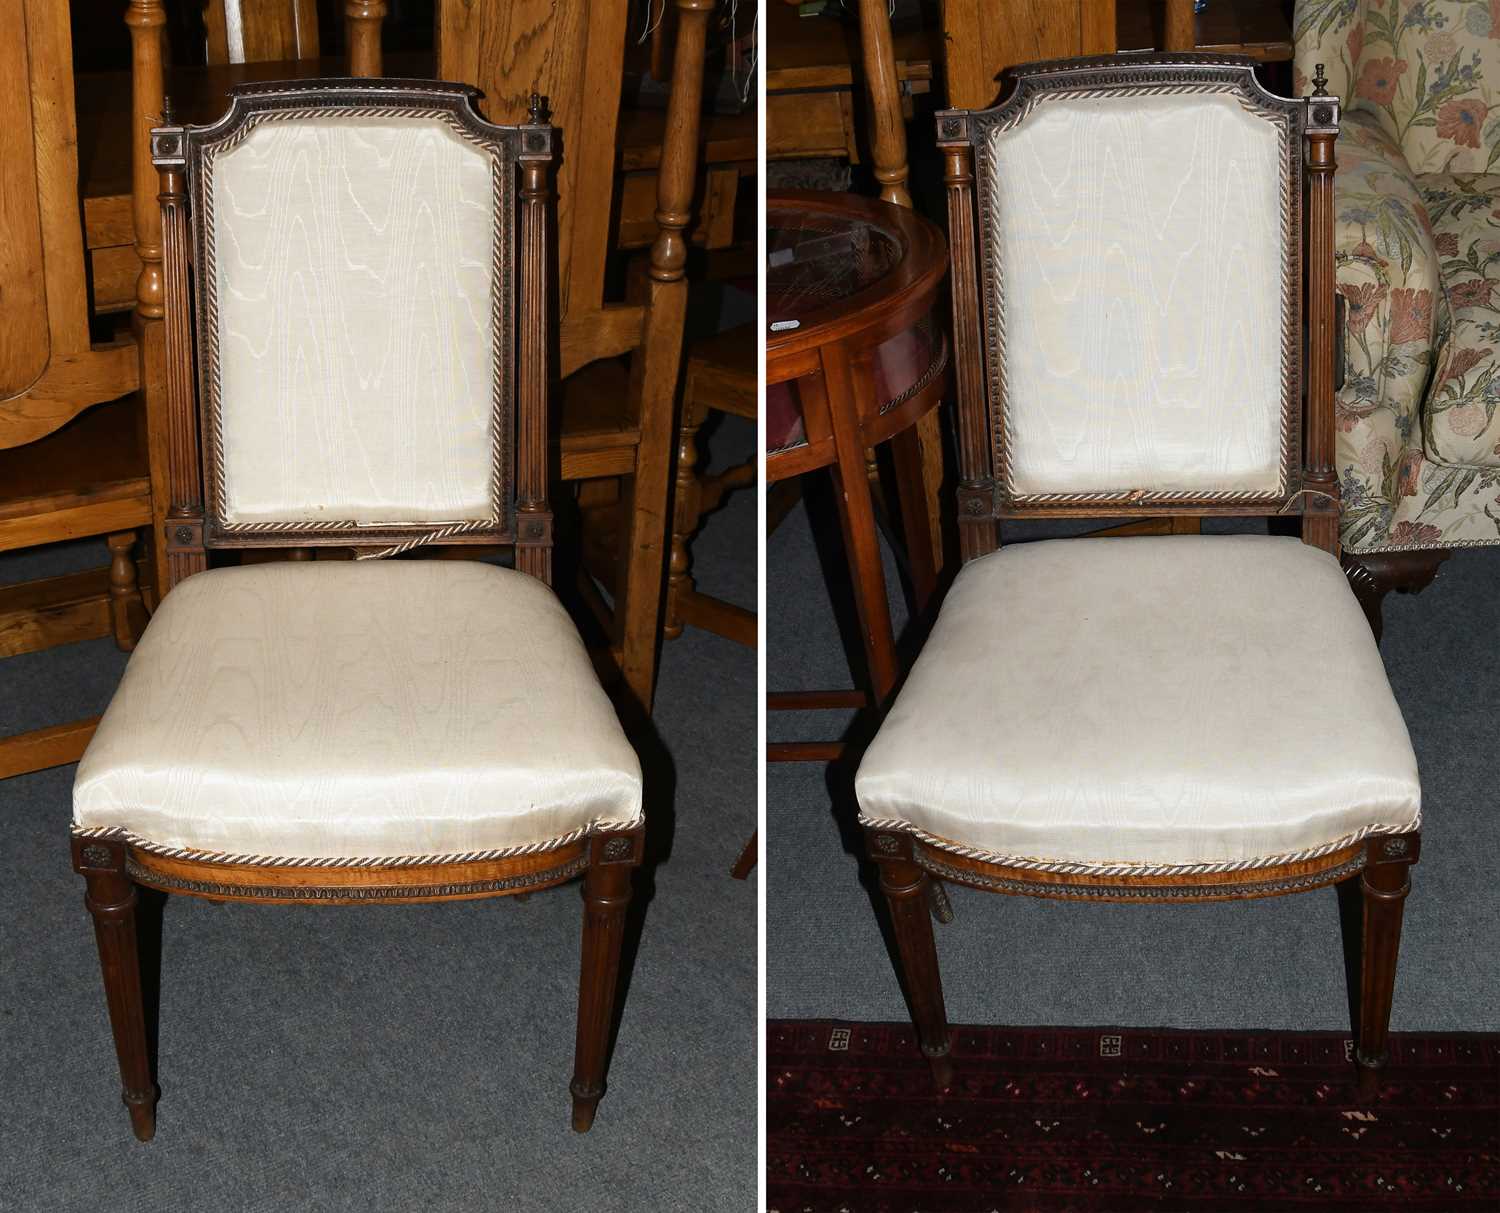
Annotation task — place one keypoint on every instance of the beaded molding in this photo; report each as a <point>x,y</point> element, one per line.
<point>209,888</point>
<point>1081,892</point>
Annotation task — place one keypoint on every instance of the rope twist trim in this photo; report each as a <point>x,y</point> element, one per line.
<point>130,838</point>
<point>1064,867</point>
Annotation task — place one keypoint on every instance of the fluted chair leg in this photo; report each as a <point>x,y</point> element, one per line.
<point>1384,884</point>
<point>111,899</point>
<point>606,895</point>
<point>905,887</point>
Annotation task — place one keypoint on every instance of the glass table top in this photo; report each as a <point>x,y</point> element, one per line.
<point>814,260</point>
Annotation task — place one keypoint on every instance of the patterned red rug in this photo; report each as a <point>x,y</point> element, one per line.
<point>1117,1119</point>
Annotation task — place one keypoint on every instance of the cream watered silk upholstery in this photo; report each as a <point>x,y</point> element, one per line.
<point>353,273</point>
<point>353,710</point>
<point>1123,704</point>
<point>1139,242</point>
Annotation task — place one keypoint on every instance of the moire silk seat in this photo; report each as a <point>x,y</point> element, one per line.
<point>358,710</point>
<point>1140,704</point>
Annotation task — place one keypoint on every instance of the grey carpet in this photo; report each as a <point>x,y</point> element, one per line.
<point>1275,964</point>
<point>397,1058</point>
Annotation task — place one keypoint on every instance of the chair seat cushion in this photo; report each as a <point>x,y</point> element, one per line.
<point>357,710</point>
<point>1125,704</point>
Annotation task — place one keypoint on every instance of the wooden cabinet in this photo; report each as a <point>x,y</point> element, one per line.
<point>73,448</point>
<point>620,360</point>
<point>981,38</point>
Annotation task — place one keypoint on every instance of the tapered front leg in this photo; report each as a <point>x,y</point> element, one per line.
<point>905,887</point>
<point>606,895</point>
<point>745,864</point>
<point>1384,883</point>
<point>111,899</point>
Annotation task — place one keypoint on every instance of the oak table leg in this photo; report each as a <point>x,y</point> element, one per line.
<point>606,894</point>
<point>111,899</point>
<point>857,518</point>
<point>916,529</point>
<point>685,509</point>
<point>127,610</point>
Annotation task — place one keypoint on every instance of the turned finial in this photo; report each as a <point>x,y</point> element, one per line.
<point>1320,82</point>
<point>168,118</point>
<point>536,109</point>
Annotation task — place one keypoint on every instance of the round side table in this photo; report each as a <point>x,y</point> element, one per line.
<point>856,354</point>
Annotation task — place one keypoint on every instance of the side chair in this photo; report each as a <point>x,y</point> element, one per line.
<point>1144,719</point>
<point>368,317</point>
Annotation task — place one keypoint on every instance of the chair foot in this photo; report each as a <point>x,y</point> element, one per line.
<point>1368,1070</point>
<point>585,1104</point>
<point>942,1065</point>
<point>142,1116</point>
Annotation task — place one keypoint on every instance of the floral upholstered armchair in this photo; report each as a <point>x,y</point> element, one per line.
<point>1417,199</point>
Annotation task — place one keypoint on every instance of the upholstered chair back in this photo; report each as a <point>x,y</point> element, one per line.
<point>1138,242</point>
<point>356,307</point>
<point>1128,283</point>
<point>356,328</point>
<point>1141,287</point>
<point>1426,69</point>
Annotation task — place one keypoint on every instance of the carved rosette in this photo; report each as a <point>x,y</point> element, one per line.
<point>97,855</point>
<point>1395,848</point>
<point>620,849</point>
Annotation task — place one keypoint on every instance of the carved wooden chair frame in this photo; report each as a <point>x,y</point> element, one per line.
<point>909,862</point>
<point>114,865</point>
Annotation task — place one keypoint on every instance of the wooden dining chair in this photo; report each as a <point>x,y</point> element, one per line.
<point>720,377</point>
<point>1164,718</point>
<point>620,360</point>
<point>371,337</point>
